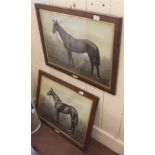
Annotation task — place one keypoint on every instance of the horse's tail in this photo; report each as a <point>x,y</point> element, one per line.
<point>93,53</point>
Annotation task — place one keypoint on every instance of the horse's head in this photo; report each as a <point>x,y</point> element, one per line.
<point>55,25</point>
<point>50,92</point>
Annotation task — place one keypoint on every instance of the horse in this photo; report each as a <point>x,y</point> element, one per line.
<point>65,109</point>
<point>72,44</point>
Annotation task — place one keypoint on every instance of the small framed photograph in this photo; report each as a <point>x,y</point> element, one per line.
<point>65,108</point>
<point>82,44</point>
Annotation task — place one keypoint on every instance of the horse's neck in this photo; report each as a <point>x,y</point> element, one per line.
<point>56,98</point>
<point>63,34</point>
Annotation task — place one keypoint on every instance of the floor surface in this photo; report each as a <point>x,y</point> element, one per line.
<point>47,142</point>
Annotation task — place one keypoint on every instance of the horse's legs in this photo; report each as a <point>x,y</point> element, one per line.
<point>92,68</point>
<point>58,115</point>
<point>91,62</point>
<point>98,73</point>
<point>73,128</point>
<point>70,58</point>
<point>72,124</point>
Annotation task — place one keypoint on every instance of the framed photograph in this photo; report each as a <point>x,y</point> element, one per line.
<point>65,108</point>
<point>82,44</point>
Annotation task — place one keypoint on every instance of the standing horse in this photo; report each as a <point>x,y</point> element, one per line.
<point>64,108</point>
<point>72,44</point>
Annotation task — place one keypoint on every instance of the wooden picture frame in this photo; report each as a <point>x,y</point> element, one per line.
<point>82,44</point>
<point>65,108</point>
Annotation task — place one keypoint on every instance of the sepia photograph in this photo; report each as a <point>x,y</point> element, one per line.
<point>80,46</point>
<point>66,108</point>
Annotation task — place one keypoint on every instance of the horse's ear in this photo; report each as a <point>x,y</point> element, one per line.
<point>54,21</point>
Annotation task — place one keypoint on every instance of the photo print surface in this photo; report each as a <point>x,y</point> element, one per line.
<point>65,109</point>
<point>76,44</point>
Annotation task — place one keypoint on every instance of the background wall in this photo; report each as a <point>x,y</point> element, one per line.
<point>109,121</point>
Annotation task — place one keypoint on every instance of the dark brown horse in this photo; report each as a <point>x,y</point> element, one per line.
<point>64,108</point>
<point>72,44</point>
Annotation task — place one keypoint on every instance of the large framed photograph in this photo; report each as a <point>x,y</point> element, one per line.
<point>81,44</point>
<point>66,108</point>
